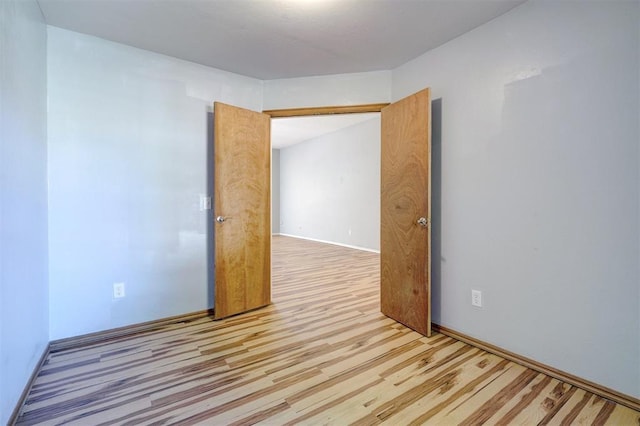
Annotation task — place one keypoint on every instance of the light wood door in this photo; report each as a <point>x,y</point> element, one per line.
<point>405,235</point>
<point>242,210</point>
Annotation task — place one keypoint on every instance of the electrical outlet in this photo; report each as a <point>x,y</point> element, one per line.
<point>118,290</point>
<point>476,298</point>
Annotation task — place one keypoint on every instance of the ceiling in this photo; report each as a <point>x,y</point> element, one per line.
<point>272,39</point>
<point>292,130</point>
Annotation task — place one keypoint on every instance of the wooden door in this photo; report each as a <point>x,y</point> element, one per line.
<point>405,235</point>
<point>242,210</point>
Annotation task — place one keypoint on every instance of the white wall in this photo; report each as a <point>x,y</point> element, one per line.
<point>24,329</point>
<point>334,90</point>
<point>128,132</point>
<point>275,191</point>
<point>540,184</point>
<point>330,187</point>
<point>128,148</point>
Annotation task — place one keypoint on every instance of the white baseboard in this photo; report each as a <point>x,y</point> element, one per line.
<point>331,242</point>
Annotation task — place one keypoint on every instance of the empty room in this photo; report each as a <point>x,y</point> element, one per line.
<point>468,254</point>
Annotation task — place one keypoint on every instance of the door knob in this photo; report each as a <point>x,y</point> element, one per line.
<point>221,219</point>
<point>423,221</point>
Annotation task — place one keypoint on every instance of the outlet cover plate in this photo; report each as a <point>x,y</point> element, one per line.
<point>476,298</point>
<point>118,290</point>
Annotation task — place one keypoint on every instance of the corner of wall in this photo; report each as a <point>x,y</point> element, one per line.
<point>24,291</point>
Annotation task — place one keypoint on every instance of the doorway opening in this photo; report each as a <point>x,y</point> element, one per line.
<point>326,178</point>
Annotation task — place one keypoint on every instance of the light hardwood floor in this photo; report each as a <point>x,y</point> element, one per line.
<point>321,353</point>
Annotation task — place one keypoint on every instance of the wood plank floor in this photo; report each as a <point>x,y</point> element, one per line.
<point>320,354</point>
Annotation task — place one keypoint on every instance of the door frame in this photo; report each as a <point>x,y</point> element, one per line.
<point>326,110</point>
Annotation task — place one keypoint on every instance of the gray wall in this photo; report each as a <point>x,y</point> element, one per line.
<point>540,184</point>
<point>128,148</point>
<point>275,191</point>
<point>330,187</point>
<point>24,328</point>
